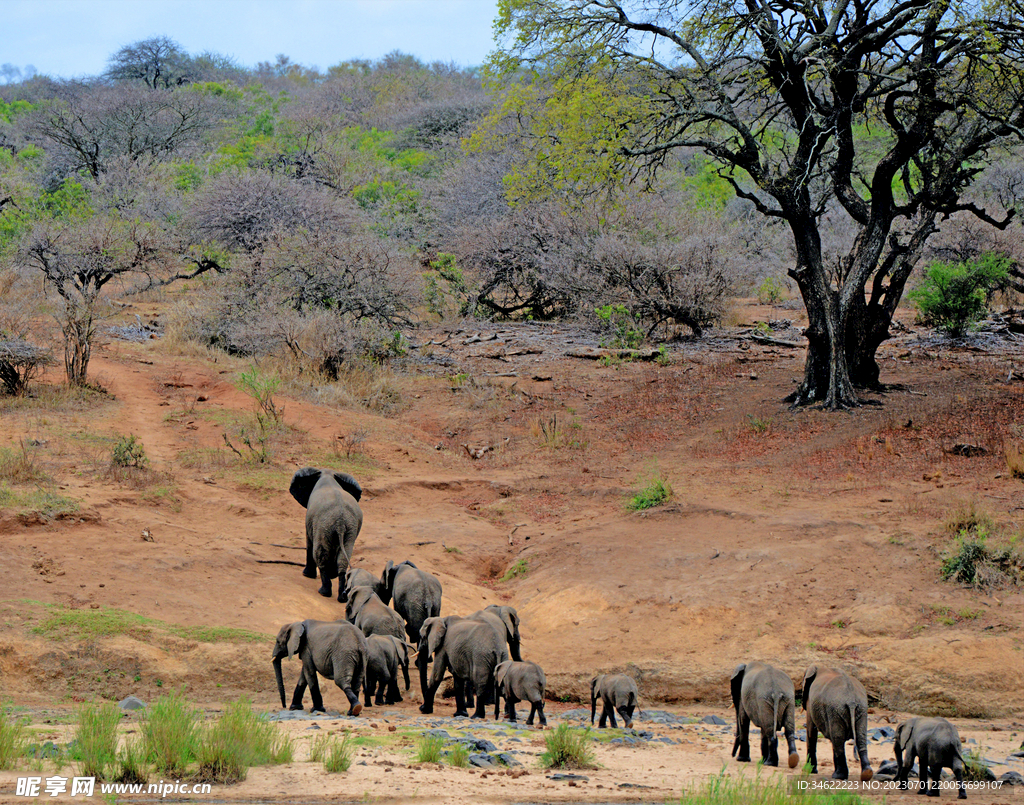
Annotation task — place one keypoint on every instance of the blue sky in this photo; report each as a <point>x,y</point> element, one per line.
<point>74,38</point>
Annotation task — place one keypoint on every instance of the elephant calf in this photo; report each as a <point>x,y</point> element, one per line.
<point>337,650</point>
<point>371,615</point>
<point>357,577</point>
<point>520,682</point>
<point>763,695</point>
<point>936,743</point>
<point>618,693</point>
<point>386,654</point>
<point>837,707</point>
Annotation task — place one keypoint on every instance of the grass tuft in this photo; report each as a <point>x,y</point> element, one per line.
<point>96,739</point>
<point>131,761</point>
<point>725,790</point>
<point>12,737</point>
<point>338,755</point>
<point>171,733</point>
<point>429,749</point>
<point>519,568</point>
<point>654,494</point>
<point>567,748</point>
<point>458,756</point>
<point>240,738</point>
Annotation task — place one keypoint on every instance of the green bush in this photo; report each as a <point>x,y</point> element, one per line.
<point>619,321</point>
<point>458,756</point>
<point>657,491</point>
<point>96,739</point>
<point>953,296</point>
<point>973,562</point>
<point>171,732</point>
<point>338,755</point>
<point>129,452</point>
<point>769,292</point>
<point>567,748</point>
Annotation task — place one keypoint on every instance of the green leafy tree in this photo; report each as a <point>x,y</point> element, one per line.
<point>599,92</point>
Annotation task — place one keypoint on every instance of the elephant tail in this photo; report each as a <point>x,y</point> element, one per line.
<point>859,740</point>
<point>775,712</point>
<point>280,682</point>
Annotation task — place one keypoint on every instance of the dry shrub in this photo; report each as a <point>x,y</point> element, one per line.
<point>362,385</point>
<point>1013,452</point>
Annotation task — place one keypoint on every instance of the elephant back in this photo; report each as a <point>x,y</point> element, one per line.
<point>470,644</point>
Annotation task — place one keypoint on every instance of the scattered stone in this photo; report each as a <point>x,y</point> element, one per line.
<point>44,751</point>
<point>507,759</point>
<point>881,733</point>
<point>477,744</point>
<point>437,734</point>
<point>1012,778</point>
<point>567,776</point>
<point>313,726</point>
<point>579,714</point>
<point>482,761</point>
<point>633,785</point>
<point>717,720</point>
<point>131,703</point>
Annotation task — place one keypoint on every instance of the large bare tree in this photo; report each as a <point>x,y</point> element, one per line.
<point>880,110</point>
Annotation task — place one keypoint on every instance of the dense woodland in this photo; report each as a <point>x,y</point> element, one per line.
<point>321,216</point>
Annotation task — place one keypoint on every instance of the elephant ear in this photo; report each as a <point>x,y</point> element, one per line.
<point>295,638</point>
<point>809,674</point>
<point>500,672</point>
<point>737,684</point>
<point>386,585</point>
<point>349,484</point>
<point>302,485</point>
<point>435,638</point>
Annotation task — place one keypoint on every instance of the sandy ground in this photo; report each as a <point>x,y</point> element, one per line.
<point>795,537</point>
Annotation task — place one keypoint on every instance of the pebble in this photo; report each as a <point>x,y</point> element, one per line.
<point>131,703</point>
<point>568,776</point>
<point>718,720</point>
<point>1012,778</point>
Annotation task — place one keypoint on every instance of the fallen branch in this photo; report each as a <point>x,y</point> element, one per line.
<point>775,342</point>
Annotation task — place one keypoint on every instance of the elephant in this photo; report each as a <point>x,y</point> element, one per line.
<point>357,577</point>
<point>520,682</point>
<point>470,650</point>
<point>417,594</point>
<point>617,692</point>
<point>936,743</point>
<point>505,622</point>
<point>337,650</point>
<point>333,520</point>
<point>371,615</point>
<point>837,707</point>
<point>385,656</point>
<point>763,695</point>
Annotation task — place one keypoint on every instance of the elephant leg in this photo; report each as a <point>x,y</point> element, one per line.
<point>354,707</point>
<point>794,758</point>
<point>326,587</point>
<point>300,690</point>
<point>743,727</point>
<point>394,696</point>
<point>627,718</point>
<point>380,685</point>
<point>484,695</point>
<point>958,773</point>
<point>922,770</point>
<point>769,748</point>
<point>812,746</point>
<point>367,689</point>
<point>421,665</point>
<point>468,692</point>
<point>936,775</point>
<point>309,571</point>
<point>540,710</point>
<point>611,717</point>
<point>842,771</point>
<point>629,712</point>
<point>309,672</point>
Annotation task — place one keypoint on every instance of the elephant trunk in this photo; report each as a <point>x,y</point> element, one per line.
<point>405,673</point>
<point>280,681</point>
<point>514,649</point>
<point>593,704</point>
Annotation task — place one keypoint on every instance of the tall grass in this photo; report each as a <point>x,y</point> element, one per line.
<point>12,737</point>
<point>334,754</point>
<point>131,761</point>
<point>96,739</point>
<point>458,756</point>
<point>567,748</point>
<point>171,733</point>
<point>240,738</point>
<point>429,749</point>
<point>723,790</point>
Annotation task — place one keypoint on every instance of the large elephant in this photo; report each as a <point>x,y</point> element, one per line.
<point>416,593</point>
<point>333,520</point>
<point>505,622</point>
<point>936,743</point>
<point>520,682</point>
<point>371,615</point>
<point>337,650</point>
<point>765,696</point>
<point>837,707</point>
<point>617,692</point>
<point>386,654</point>
<point>470,650</point>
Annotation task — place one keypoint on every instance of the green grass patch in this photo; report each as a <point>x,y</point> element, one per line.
<point>519,568</point>
<point>171,734</point>
<point>657,491</point>
<point>567,748</point>
<point>131,762</point>
<point>239,739</point>
<point>60,623</point>
<point>725,790</point>
<point>36,501</point>
<point>458,756</point>
<point>12,737</point>
<point>429,749</point>
<point>334,754</point>
<point>96,740</point>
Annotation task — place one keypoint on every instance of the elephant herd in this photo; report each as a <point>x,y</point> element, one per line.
<point>482,653</point>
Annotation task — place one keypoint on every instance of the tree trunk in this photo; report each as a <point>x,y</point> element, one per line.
<point>866,329</point>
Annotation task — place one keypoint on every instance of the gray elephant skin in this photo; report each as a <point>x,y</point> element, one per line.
<point>837,707</point>
<point>470,650</point>
<point>936,743</point>
<point>358,577</point>
<point>505,622</point>
<point>520,682</point>
<point>337,650</point>
<point>333,520</point>
<point>617,693</point>
<point>417,596</point>
<point>371,615</point>
<point>385,655</point>
<point>764,695</point>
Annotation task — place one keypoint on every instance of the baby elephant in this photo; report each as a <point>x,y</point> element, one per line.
<point>386,654</point>
<point>520,682</point>
<point>936,743</point>
<point>617,692</point>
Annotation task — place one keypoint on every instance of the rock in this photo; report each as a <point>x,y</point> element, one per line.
<point>717,720</point>
<point>880,733</point>
<point>507,759</point>
<point>579,714</point>
<point>887,767</point>
<point>131,703</point>
<point>633,785</point>
<point>477,744</point>
<point>313,726</point>
<point>1012,778</point>
<point>437,734</point>
<point>46,750</point>
<point>566,776</point>
<point>482,761</point>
